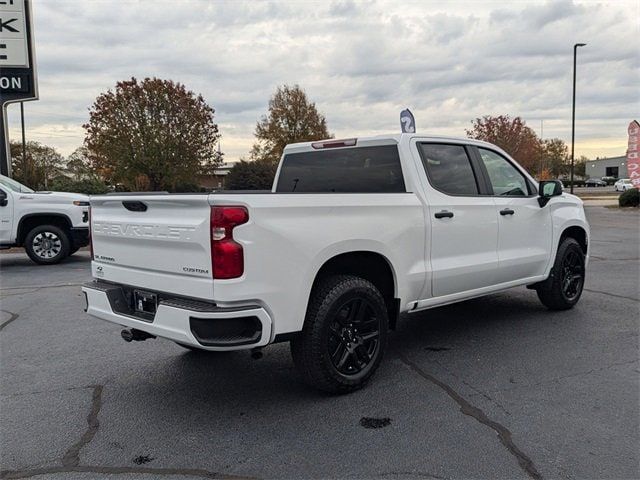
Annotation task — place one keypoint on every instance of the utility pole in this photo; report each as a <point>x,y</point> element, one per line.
<point>541,147</point>
<point>24,142</point>
<point>573,110</point>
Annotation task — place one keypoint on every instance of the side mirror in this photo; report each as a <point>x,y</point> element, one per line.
<point>548,189</point>
<point>3,199</point>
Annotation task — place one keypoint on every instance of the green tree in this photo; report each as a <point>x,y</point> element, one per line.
<point>254,175</point>
<point>555,155</point>
<point>89,185</point>
<point>78,176</point>
<point>38,167</point>
<point>291,118</point>
<point>512,135</point>
<point>580,166</point>
<point>153,129</point>
<point>78,165</point>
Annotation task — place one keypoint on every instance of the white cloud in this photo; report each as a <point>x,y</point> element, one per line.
<point>361,62</point>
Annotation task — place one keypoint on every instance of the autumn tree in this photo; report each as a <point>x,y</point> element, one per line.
<point>155,129</point>
<point>512,135</point>
<point>555,155</point>
<point>39,165</point>
<point>291,118</point>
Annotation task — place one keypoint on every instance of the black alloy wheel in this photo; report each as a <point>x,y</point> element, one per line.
<point>572,275</point>
<point>354,336</point>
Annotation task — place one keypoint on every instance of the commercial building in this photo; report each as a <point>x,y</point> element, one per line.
<point>607,167</point>
<point>217,180</point>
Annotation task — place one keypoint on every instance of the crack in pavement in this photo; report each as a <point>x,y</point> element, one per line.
<point>39,392</point>
<point>13,316</point>
<point>71,457</point>
<point>504,435</point>
<point>407,474</point>
<point>611,294</point>
<point>18,294</point>
<point>472,387</point>
<point>187,472</point>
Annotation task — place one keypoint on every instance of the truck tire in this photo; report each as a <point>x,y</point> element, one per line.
<point>563,288</point>
<point>344,335</point>
<point>47,244</point>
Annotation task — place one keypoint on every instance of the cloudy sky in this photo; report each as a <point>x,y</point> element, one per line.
<point>360,61</point>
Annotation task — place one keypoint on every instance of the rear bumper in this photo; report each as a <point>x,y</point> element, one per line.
<point>184,321</point>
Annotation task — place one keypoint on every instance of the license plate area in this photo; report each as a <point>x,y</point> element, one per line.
<point>145,303</point>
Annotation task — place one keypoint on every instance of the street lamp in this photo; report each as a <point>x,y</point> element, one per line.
<point>573,111</point>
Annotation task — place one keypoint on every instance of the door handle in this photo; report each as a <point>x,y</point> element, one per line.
<point>507,211</point>
<point>444,214</point>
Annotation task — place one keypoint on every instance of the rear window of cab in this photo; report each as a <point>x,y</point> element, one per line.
<point>345,170</point>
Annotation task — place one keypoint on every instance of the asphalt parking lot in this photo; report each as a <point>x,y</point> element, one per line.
<point>496,387</point>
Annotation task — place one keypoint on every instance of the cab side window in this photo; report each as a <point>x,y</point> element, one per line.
<point>448,168</point>
<point>505,179</point>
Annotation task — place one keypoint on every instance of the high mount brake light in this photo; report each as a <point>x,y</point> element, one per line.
<point>347,142</point>
<point>227,256</point>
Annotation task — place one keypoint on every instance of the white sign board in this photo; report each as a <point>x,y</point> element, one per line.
<point>13,34</point>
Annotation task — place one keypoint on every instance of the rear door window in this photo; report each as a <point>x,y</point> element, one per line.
<point>449,168</point>
<point>344,170</point>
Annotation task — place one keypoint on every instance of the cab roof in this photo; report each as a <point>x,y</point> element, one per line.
<point>375,140</point>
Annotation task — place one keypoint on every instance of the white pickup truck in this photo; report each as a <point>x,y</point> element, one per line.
<point>353,233</point>
<point>49,225</point>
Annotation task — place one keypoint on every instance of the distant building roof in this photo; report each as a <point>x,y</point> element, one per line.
<point>224,168</point>
<point>620,158</point>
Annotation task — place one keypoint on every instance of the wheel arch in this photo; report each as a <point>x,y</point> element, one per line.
<point>369,265</point>
<point>32,220</point>
<point>579,234</point>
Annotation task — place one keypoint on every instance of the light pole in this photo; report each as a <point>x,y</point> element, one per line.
<point>573,110</point>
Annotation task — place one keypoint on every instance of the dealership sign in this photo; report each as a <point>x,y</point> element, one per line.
<point>633,162</point>
<point>18,81</point>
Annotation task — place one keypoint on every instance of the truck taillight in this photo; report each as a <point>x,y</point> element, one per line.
<point>90,234</point>
<point>227,257</point>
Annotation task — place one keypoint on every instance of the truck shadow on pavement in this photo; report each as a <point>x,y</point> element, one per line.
<point>455,330</point>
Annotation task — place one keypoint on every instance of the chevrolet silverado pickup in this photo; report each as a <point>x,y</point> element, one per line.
<point>49,225</point>
<point>353,233</point>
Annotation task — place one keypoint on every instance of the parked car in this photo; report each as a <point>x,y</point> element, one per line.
<point>353,233</point>
<point>49,225</point>
<point>595,182</point>
<point>623,185</point>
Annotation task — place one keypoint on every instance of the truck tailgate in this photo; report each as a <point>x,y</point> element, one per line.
<point>155,242</point>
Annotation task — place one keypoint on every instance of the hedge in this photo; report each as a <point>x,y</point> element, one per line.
<point>576,183</point>
<point>630,198</point>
